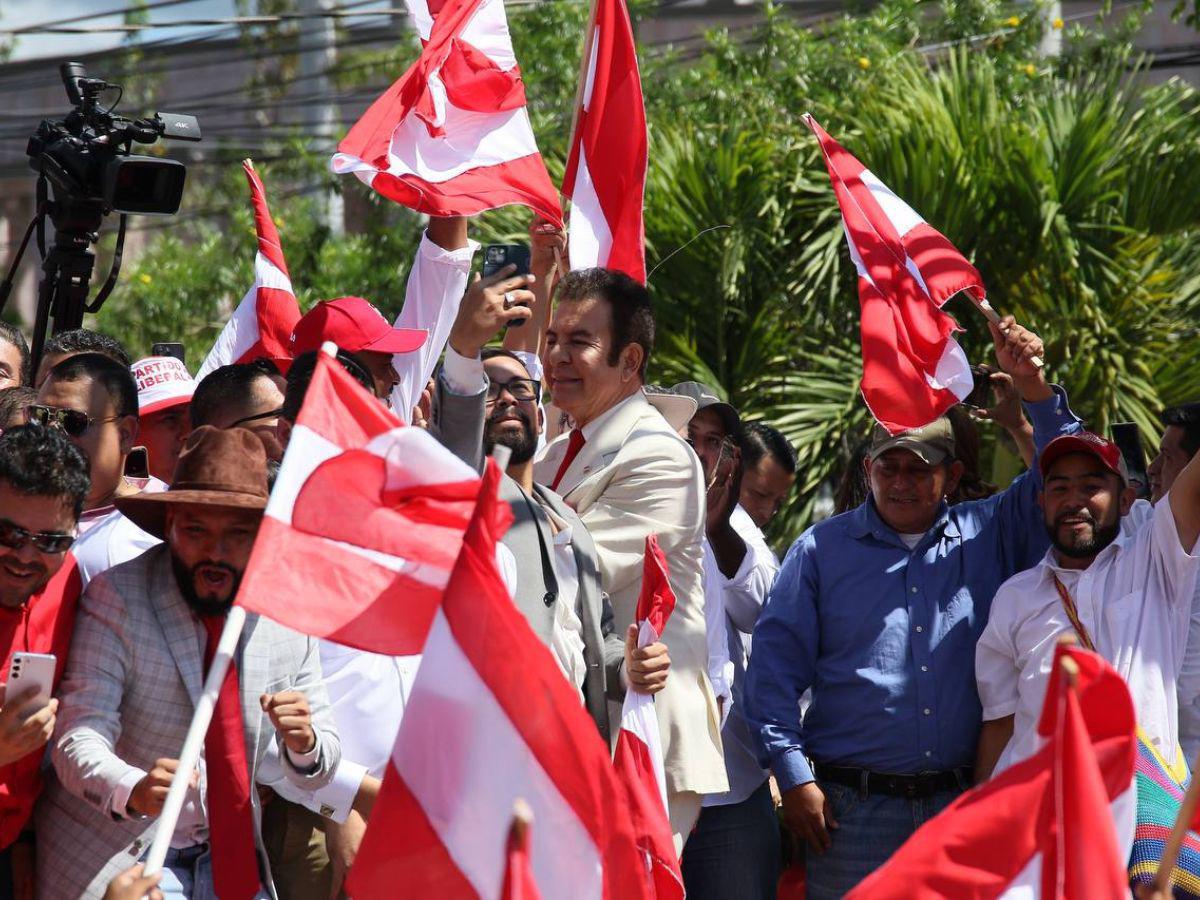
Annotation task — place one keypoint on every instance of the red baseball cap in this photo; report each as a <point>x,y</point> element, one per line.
<point>1084,442</point>
<point>354,325</point>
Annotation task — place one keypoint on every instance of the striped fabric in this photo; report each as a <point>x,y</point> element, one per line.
<point>1160,789</point>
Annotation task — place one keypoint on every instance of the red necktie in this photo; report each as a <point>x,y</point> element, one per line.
<point>574,445</point>
<point>230,816</point>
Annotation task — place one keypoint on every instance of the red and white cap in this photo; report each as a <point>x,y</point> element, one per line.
<point>353,325</point>
<point>1084,442</point>
<point>162,382</point>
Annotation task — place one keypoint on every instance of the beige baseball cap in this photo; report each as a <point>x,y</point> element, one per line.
<point>932,443</point>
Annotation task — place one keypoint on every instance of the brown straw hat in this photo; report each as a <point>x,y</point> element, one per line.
<point>218,467</point>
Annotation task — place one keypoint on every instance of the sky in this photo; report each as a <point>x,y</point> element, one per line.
<point>18,13</point>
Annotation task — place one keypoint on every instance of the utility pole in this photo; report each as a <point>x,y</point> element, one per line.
<point>318,56</point>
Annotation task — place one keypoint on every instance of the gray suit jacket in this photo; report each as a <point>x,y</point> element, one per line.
<point>127,696</point>
<point>458,422</point>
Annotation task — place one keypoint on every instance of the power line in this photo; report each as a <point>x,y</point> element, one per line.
<point>119,11</point>
<point>137,28</point>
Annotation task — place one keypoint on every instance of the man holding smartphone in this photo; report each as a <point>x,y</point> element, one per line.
<point>43,482</point>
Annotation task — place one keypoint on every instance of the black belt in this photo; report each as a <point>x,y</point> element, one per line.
<point>923,784</point>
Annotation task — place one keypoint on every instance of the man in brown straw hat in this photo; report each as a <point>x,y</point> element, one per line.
<point>146,633</point>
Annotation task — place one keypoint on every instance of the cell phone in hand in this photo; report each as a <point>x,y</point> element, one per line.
<point>137,463</point>
<point>1129,441</point>
<point>31,670</point>
<point>174,349</point>
<point>497,256</point>
<point>981,388</point>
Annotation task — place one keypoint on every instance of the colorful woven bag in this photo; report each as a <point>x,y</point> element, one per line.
<point>1160,789</point>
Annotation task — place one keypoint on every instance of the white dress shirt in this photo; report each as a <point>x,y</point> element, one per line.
<point>436,285</point>
<point>741,598</point>
<point>107,538</point>
<point>1135,600</point>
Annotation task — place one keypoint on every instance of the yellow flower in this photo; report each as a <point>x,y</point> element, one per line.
<point>145,278</point>
<point>864,63</point>
<point>1057,24</point>
<point>278,222</point>
<point>1012,21</point>
<point>1030,69</point>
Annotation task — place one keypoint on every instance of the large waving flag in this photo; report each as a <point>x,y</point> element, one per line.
<point>913,369</point>
<point>262,323</point>
<point>364,523</point>
<point>1058,825</point>
<point>452,135</point>
<point>638,757</point>
<point>606,169</point>
<point>491,720</point>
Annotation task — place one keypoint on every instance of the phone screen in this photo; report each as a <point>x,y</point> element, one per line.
<point>174,349</point>
<point>497,256</point>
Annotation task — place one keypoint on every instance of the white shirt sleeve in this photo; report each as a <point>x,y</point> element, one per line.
<point>716,635</point>
<point>1174,566</point>
<point>333,801</point>
<point>746,592</point>
<point>463,376</point>
<point>436,286</point>
<point>997,676</point>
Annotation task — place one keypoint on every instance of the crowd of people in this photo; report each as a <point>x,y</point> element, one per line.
<point>836,701</point>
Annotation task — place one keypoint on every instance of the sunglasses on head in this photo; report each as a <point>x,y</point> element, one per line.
<point>71,421</point>
<point>15,537</point>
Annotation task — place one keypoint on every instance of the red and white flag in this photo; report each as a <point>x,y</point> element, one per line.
<point>519,883</point>
<point>638,757</point>
<point>913,369</point>
<point>491,720</point>
<point>1057,825</point>
<point>606,169</point>
<point>364,523</point>
<point>452,136</point>
<point>262,323</point>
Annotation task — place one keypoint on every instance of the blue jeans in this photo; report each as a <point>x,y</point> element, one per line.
<point>734,852</point>
<point>870,829</point>
<point>187,874</point>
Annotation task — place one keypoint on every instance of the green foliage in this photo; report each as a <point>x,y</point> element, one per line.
<point>1067,181</point>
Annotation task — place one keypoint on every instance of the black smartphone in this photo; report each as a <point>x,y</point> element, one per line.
<point>169,349</point>
<point>497,256</point>
<point>1129,441</point>
<point>981,388</point>
<point>137,463</point>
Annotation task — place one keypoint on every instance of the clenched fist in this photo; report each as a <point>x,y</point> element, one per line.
<point>290,714</point>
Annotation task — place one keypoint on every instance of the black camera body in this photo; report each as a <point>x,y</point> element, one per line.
<point>86,156</point>
<point>86,171</point>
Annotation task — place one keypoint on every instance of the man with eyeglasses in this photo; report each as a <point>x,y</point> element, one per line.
<point>93,399</point>
<point>241,395</point>
<point>43,482</point>
<point>485,397</point>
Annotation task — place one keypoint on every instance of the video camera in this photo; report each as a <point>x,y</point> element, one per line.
<point>85,159</point>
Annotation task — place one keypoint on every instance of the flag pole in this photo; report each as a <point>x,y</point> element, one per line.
<point>989,313</point>
<point>194,742</point>
<point>1187,810</point>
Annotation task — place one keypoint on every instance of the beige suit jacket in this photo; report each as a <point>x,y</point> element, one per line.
<point>635,477</point>
<point>127,697</point>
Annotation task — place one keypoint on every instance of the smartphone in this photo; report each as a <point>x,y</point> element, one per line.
<point>981,388</point>
<point>31,670</point>
<point>137,463</point>
<point>1129,441</point>
<point>497,256</point>
<point>169,349</point>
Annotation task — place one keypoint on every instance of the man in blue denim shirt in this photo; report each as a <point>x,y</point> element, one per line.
<point>878,611</point>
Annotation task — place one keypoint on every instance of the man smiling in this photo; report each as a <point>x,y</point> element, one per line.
<point>878,611</point>
<point>1126,593</point>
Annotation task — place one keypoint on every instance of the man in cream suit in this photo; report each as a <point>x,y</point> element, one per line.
<point>629,475</point>
<point>133,678</point>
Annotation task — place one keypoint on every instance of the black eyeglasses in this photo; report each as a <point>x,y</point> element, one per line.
<point>71,421</point>
<point>15,537</point>
<point>270,414</point>
<point>522,389</point>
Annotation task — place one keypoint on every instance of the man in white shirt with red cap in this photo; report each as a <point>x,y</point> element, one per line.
<point>1124,592</point>
<point>165,389</point>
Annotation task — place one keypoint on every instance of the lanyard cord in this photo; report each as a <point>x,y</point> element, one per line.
<point>1072,612</point>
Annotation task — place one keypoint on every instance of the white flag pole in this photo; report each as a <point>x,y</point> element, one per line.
<point>189,756</point>
<point>989,313</point>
